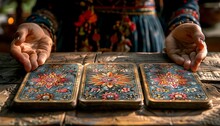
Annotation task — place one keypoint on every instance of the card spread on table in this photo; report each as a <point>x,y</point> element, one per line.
<point>110,85</point>
<point>50,86</point>
<point>167,85</point>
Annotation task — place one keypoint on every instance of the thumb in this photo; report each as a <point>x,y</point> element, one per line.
<point>20,36</point>
<point>199,37</point>
<point>200,43</point>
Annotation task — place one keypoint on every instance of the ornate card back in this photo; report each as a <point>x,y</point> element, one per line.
<point>110,86</point>
<point>50,86</point>
<point>167,85</point>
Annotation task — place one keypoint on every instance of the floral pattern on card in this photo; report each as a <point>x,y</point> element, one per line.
<point>111,82</point>
<point>51,82</point>
<point>172,82</point>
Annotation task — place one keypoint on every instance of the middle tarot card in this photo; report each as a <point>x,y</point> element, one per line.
<point>50,86</point>
<point>167,85</point>
<point>110,86</point>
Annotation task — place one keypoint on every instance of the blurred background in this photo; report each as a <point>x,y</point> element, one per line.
<point>13,12</point>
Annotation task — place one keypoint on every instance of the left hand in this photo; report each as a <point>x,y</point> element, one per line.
<point>185,46</point>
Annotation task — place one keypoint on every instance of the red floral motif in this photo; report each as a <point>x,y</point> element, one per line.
<point>128,23</point>
<point>132,26</point>
<point>126,19</point>
<point>109,79</point>
<point>88,16</point>
<point>110,96</point>
<point>125,89</point>
<point>96,37</point>
<point>49,80</point>
<point>178,96</point>
<point>114,38</point>
<point>95,90</point>
<point>63,90</point>
<point>173,80</point>
<point>125,26</point>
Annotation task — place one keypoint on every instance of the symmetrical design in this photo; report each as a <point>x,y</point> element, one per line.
<point>171,82</point>
<point>51,82</point>
<point>110,82</point>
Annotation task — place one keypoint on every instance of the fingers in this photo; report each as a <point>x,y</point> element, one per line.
<point>42,57</point>
<point>198,37</point>
<point>187,62</point>
<point>176,58</point>
<point>201,54</point>
<point>23,58</point>
<point>33,60</point>
<point>193,59</point>
<point>193,49</point>
<point>16,48</point>
<point>25,47</point>
<point>29,59</point>
<point>192,56</point>
<point>183,60</point>
<point>37,58</point>
<point>26,63</point>
<point>44,52</point>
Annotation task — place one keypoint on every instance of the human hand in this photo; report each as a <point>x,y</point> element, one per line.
<point>31,46</point>
<point>185,46</point>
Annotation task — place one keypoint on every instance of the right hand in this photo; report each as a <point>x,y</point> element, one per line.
<point>31,46</point>
<point>185,46</point>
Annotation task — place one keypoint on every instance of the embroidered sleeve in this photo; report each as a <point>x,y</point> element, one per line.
<point>43,16</point>
<point>176,12</point>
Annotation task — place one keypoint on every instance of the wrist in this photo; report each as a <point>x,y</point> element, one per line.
<point>46,30</point>
<point>182,16</point>
<point>47,21</point>
<point>50,34</point>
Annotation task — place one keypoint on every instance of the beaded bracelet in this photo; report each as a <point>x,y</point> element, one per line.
<point>179,23</point>
<point>47,29</point>
<point>35,18</point>
<point>51,35</point>
<point>181,19</point>
<point>186,11</point>
<point>45,22</point>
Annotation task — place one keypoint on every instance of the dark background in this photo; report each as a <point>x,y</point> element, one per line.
<point>14,12</point>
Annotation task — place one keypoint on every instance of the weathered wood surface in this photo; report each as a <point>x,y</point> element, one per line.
<point>72,57</point>
<point>12,73</point>
<point>137,58</point>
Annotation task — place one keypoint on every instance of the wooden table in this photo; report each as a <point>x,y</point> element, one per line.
<point>12,74</point>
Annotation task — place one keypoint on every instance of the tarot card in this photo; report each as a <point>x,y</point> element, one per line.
<point>110,86</point>
<point>167,85</point>
<point>51,86</point>
<point>209,76</point>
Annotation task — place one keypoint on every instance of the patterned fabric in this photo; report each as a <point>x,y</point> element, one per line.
<point>179,12</point>
<point>112,25</point>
